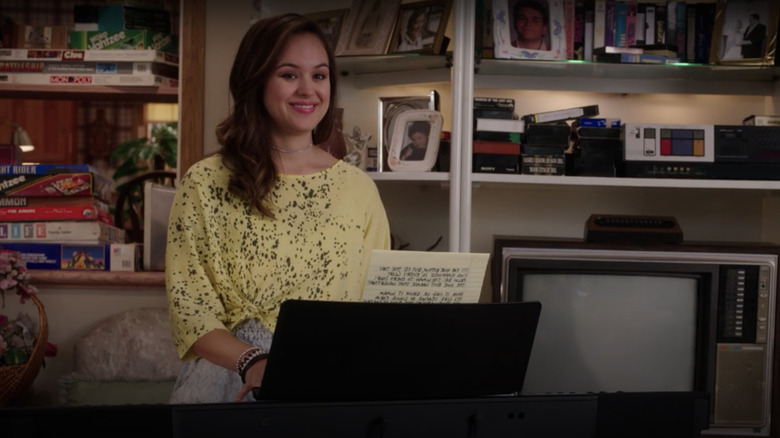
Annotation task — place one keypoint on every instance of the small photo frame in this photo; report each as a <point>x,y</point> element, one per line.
<point>420,26</point>
<point>415,143</point>
<point>745,32</point>
<point>529,29</point>
<point>390,108</point>
<point>331,23</point>
<point>368,27</point>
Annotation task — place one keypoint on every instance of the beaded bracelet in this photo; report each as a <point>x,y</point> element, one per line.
<point>253,357</point>
<point>242,356</point>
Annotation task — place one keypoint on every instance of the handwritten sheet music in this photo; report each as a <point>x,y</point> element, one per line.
<point>425,277</point>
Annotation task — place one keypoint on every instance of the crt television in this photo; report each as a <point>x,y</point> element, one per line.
<point>650,317</point>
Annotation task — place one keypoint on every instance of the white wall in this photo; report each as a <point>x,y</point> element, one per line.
<point>72,312</point>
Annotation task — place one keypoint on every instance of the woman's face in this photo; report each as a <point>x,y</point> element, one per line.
<point>297,95</point>
<point>530,25</point>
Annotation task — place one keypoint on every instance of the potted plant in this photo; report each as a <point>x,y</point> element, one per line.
<point>144,158</point>
<point>141,155</point>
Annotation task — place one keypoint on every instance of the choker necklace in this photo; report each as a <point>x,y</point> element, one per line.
<point>289,151</point>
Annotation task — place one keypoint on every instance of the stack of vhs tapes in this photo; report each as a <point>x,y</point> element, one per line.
<point>598,147</point>
<point>544,149</point>
<point>497,136</point>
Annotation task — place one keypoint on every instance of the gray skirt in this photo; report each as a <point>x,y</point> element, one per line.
<point>200,381</point>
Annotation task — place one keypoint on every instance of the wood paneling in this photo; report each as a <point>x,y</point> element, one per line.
<point>52,126</point>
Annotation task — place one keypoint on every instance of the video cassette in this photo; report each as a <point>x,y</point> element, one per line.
<point>668,143</point>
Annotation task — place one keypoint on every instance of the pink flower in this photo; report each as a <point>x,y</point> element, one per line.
<point>51,350</point>
<point>17,336</point>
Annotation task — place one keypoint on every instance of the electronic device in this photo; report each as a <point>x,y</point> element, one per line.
<point>632,228</point>
<point>746,152</point>
<point>665,150</point>
<point>668,143</point>
<point>157,199</point>
<point>650,317</point>
<point>370,356</point>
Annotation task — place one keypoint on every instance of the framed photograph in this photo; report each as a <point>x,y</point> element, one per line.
<point>415,143</point>
<point>392,107</point>
<point>529,29</point>
<point>368,27</point>
<point>419,27</point>
<point>745,32</point>
<point>331,23</point>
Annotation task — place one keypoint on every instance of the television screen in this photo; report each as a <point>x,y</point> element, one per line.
<point>601,332</point>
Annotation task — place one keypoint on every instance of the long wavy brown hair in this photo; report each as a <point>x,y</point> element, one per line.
<point>245,135</point>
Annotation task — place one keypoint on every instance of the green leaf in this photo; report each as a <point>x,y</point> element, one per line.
<point>15,356</point>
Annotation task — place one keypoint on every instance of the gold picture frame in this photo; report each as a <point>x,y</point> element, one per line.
<point>738,26</point>
<point>331,23</point>
<point>368,27</point>
<point>431,16</point>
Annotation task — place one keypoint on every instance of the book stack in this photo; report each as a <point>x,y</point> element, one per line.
<point>544,149</point>
<point>497,136</point>
<point>58,217</point>
<point>598,147</point>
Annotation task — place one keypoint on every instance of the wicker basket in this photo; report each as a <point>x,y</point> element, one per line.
<point>16,379</point>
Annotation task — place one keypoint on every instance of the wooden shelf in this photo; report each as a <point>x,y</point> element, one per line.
<point>90,92</point>
<point>101,279</point>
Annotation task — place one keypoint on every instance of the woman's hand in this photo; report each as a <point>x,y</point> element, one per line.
<point>254,378</point>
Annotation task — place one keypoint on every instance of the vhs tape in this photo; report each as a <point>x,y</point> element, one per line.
<point>562,115</point>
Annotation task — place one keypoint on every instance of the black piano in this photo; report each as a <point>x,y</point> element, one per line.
<point>603,415</point>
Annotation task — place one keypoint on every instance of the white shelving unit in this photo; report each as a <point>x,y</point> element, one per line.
<point>475,206</point>
<point>553,206</point>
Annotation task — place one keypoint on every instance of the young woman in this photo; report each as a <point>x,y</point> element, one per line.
<point>270,217</point>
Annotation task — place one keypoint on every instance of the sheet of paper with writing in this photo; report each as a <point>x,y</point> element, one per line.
<point>425,277</point>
